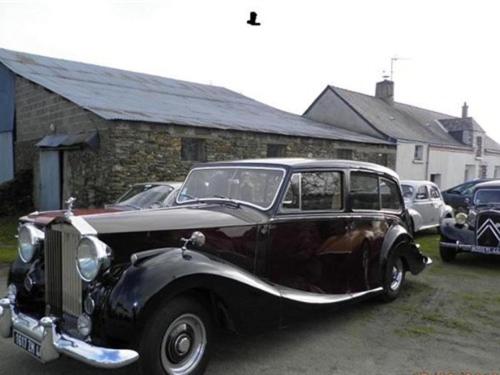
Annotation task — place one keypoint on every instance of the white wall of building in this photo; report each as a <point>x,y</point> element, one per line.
<point>447,165</point>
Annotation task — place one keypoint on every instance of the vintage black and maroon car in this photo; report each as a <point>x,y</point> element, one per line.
<point>476,230</point>
<point>248,244</point>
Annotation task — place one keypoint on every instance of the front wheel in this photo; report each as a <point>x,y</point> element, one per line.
<point>447,254</point>
<point>394,278</point>
<point>176,339</point>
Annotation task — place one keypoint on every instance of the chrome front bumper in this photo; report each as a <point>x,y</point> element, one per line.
<point>458,246</point>
<point>53,344</point>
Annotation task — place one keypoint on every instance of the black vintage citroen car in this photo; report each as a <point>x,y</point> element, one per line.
<point>478,229</point>
<point>246,246</point>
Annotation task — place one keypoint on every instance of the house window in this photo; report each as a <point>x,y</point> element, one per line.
<point>193,149</point>
<point>436,178</point>
<point>419,152</point>
<point>479,147</point>
<point>276,151</point>
<point>483,171</point>
<point>345,153</point>
<point>497,171</point>
<point>470,172</point>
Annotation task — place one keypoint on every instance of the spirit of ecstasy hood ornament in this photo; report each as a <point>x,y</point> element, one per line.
<point>69,209</point>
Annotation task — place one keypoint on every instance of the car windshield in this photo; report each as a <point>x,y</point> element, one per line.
<point>144,196</point>
<point>408,191</point>
<point>487,196</point>
<point>255,186</point>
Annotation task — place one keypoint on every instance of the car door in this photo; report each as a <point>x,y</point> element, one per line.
<point>309,248</point>
<point>437,205</point>
<point>368,228</point>
<point>423,204</point>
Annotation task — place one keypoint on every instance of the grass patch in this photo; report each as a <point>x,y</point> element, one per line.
<point>448,322</point>
<point>8,243</point>
<point>415,331</point>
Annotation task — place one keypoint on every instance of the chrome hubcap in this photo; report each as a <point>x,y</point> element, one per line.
<point>183,345</point>
<point>397,276</point>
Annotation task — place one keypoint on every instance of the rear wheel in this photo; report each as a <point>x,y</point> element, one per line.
<point>176,339</point>
<point>394,278</point>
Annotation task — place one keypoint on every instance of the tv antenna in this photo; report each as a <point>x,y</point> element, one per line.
<point>393,60</point>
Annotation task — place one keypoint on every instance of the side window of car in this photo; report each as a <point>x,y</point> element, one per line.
<point>435,193</point>
<point>390,195</point>
<point>310,191</point>
<point>422,193</point>
<point>292,196</point>
<point>321,191</point>
<point>364,191</point>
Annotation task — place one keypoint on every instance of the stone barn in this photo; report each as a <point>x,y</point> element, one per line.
<point>90,131</point>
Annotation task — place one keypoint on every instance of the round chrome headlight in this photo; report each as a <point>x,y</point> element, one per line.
<point>29,241</point>
<point>91,257</point>
<point>461,218</point>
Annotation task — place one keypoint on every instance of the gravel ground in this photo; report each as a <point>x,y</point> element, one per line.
<point>446,320</point>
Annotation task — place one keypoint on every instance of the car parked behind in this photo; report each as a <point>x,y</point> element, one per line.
<point>425,204</point>
<point>478,229</point>
<point>147,195</point>
<point>459,196</point>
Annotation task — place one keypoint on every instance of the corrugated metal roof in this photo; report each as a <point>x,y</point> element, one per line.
<point>400,121</point>
<point>115,94</point>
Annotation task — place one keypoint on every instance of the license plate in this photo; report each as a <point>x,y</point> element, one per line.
<point>486,250</point>
<point>27,344</point>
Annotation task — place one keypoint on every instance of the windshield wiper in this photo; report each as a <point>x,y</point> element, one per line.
<point>226,200</point>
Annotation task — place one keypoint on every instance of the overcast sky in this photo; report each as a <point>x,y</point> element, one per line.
<point>452,46</point>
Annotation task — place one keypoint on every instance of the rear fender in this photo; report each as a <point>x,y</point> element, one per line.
<point>399,242</point>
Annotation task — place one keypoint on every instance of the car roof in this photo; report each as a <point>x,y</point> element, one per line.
<point>488,184</point>
<point>299,163</point>
<point>174,184</point>
<point>417,182</point>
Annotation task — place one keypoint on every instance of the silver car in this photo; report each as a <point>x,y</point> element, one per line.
<point>425,204</point>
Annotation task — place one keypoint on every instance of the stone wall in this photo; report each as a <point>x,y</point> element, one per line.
<point>151,152</point>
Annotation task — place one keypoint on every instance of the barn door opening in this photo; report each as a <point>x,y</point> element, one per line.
<point>6,157</point>
<point>50,180</point>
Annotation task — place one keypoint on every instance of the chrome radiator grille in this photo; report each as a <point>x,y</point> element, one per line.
<point>63,285</point>
<point>53,280</point>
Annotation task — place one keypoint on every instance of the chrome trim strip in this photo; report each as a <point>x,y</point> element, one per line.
<point>82,226</point>
<point>316,298</point>
<point>53,344</point>
<point>278,189</point>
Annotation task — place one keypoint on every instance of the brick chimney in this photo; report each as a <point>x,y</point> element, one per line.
<point>465,110</point>
<point>385,91</point>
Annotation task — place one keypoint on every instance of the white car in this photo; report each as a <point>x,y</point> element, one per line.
<point>425,204</point>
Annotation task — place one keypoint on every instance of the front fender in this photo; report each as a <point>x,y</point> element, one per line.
<point>447,212</point>
<point>450,232</point>
<point>249,301</point>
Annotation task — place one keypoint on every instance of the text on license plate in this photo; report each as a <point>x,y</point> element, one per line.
<point>27,344</point>
<point>486,250</point>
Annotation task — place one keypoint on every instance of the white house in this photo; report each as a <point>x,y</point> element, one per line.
<point>430,145</point>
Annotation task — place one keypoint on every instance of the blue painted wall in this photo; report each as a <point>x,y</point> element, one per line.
<point>7,110</point>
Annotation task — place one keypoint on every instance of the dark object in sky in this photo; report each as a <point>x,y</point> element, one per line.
<point>253,19</point>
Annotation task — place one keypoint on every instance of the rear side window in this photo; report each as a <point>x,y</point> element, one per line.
<point>364,191</point>
<point>422,192</point>
<point>310,191</point>
<point>435,193</point>
<point>390,196</point>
